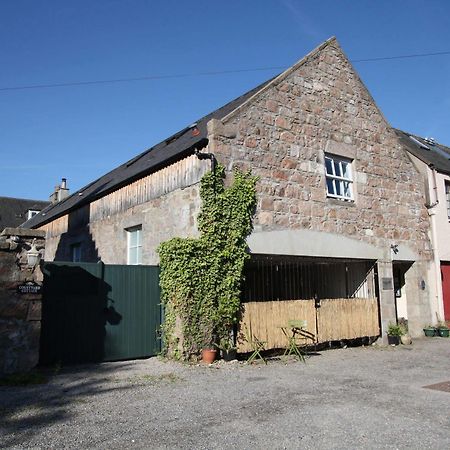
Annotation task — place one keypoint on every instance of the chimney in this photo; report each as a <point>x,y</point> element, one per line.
<point>61,192</point>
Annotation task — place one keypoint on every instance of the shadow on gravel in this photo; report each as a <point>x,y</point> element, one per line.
<point>25,410</point>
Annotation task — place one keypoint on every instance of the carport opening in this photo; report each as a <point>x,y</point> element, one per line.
<point>280,277</point>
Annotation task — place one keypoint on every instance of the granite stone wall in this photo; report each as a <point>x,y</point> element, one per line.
<point>321,106</point>
<point>20,311</point>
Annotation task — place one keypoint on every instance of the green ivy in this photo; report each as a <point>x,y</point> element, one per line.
<point>201,278</point>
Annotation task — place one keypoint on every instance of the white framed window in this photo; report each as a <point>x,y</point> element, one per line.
<point>134,245</point>
<point>75,252</point>
<point>339,177</point>
<point>31,213</point>
<point>447,198</point>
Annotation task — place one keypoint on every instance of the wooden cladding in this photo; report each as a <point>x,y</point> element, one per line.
<point>55,227</point>
<point>179,175</point>
<point>337,319</point>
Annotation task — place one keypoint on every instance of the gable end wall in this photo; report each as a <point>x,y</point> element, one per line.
<point>282,135</point>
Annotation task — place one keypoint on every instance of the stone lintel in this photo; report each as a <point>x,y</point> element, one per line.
<point>341,149</point>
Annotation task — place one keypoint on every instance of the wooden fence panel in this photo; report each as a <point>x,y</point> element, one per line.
<point>347,318</point>
<point>264,319</point>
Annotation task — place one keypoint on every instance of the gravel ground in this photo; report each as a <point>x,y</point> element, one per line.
<point>361,397</point>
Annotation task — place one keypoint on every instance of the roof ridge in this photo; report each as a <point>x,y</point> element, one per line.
<point>282,75</point>
<point>25,199</point>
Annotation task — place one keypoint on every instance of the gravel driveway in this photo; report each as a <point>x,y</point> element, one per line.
<point>362,397</point>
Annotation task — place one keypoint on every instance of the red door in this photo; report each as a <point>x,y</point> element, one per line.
<point>445,274</point>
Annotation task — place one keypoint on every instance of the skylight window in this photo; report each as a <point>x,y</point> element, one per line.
<point>421,144</point>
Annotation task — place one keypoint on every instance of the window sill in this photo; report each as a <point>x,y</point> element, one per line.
<point>337,202</point>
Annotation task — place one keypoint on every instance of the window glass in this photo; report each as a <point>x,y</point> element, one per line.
<point>329,165</point>
<point>75,250</point>
<point>134,245</point>
<point>337,169</point>
<point>346,172</point>
<point>339,181</point>
<point>330,186</point>
<point>338,186</point>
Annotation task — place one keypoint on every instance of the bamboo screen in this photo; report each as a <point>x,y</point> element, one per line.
<point>337,319</point>
<point>264,319</point>
<point>347,318</point>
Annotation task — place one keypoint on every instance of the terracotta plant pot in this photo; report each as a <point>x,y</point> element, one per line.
<point>209,355</point>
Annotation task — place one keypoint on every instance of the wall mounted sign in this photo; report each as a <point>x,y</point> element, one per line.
<point>30,287</point>
<point>387,284</point>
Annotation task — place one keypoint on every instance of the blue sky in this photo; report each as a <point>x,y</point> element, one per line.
<point>81,132</point>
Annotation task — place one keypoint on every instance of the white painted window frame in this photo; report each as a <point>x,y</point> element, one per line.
<point>31,213</point>
<point>136,231</point>
<point>337,178</point>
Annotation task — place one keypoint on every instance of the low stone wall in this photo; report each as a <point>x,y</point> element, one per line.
<point>20,304</point>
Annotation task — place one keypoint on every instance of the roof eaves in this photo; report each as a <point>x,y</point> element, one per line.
<point>47,217</point>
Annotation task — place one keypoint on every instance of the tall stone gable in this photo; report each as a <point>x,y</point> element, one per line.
<point>320,106</point>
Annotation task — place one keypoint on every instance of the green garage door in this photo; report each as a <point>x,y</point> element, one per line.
<point>96,312</point>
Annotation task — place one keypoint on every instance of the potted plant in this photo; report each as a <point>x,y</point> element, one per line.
<point>209,354</point>
<point>394,333</point>
<point>443,329</point>
<point>429,330</point>
<point>228,350</point>
<point>209,351</point>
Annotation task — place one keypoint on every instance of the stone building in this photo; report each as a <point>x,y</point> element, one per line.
<point>341,207</point>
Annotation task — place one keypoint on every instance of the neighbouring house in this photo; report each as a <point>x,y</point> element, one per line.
<point>16,211</point>
<point>433,161</point>
<point>341,223</point>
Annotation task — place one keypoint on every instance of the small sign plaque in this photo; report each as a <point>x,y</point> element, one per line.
<point>30,287</point>
<point>387,284</point>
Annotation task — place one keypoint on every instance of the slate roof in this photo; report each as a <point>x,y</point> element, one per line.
<point>435,155</point>
<point>13,211</point>
<point>166,152</point>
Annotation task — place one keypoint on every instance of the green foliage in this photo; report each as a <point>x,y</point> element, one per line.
<point>395,330</point>
<point>201,278</point>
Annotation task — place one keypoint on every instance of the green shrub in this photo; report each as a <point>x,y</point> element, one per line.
<point>395,330</point>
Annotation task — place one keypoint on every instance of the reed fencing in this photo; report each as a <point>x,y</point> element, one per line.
<point>335,319</point>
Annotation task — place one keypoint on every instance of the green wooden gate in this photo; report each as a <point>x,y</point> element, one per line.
<point>96,312</point>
